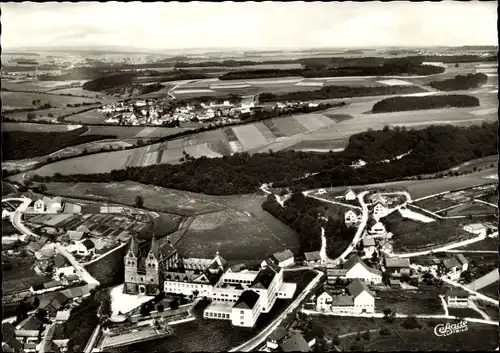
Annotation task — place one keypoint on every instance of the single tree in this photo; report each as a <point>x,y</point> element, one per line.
<point>139,201</point>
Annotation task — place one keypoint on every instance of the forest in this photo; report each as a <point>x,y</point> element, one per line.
<point>332,92</point>
<point>433,149</point>
<point>302,214</point>
<point>398,104</point>
<point>460,82</point>
<point>24,144</point>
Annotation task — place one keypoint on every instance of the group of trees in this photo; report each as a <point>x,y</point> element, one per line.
<point>397,104</point>
<point>433,149</point>
<point>28,144</point>
<point>460,82</point>
<point>396,67</point>
<point>332,92</point>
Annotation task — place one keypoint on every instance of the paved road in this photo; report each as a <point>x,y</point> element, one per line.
<point>484,281</point>
<point>261,337</point>
<point>91,281</point>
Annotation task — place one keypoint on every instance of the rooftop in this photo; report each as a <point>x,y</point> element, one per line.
<point>356,287</point>
<point>283,255</point>
<point>396,262</point>
<point>312,256</point>
<point>457,292</point>
<point>296,343</point>
<point>247,300</point>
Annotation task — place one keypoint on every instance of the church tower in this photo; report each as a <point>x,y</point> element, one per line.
<point>131,262</point>
<point>154,268</point>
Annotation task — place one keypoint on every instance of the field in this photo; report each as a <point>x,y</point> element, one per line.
<point>491,290</point>
<point>472,208</point>
<point>488,244</point>
<point>489,308</point>
<point>464,312</point>
<point>16,100</point>
<point>424,300</point>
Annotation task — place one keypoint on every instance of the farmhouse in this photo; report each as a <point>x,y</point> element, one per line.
<point>350,217</point>
<point>457,298</point>
<point>380,209</point>
<point>397,266</point>
<point>359,300</point>
<point>312,258</point>
<point>72,208</point>
<point>476,228</point>
<point>324,299</point>
<point>355,268</point>
<point>39,206</point>
<point>296,343</point>
<point>283,259</point>
<point>350,195</point>
<point>377,228</point>
<point>453,267</point>
<point>53,305</point>
<point>84,248</point>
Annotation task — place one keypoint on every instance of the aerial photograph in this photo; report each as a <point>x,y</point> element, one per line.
<point>249,176</point>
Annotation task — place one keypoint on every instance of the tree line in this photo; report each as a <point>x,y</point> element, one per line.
<point>333,92</point>
<point>434,149</point>
<point>460,82</point>
<point>397,104</point>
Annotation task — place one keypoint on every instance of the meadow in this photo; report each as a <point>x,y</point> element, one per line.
<point>15,100</point>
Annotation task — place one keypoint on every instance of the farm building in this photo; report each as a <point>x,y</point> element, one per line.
<point>355,268</point>
<point>476,228</point>
<point>454,266</point>
<point>283,259</point>
<point>458,298</point>
<point>369,246</point>
<point>72,208</point>
<point>358,300</point>
<point>397,266</point>
<point>376,228</point>
<point>296,343</point>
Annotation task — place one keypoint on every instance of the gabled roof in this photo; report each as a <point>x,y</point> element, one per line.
<point>282,255</point>
<point>323,290</point>
<point>296,343</point>
<point>356,287</point>
<point>167,249</point>
<point>396,262</point>
<point>343,300</point>
<point>354,260</point>
<point>278,334</point>
<point>89,244</point>
<point>31,323</point>
<point>220,261</point>
<point>368,242</point>
<point>75,235</point>
<point>451,263</point>
<point>273,266</point>
<point>312,256</point>
<point>349,190</point>
<point>247,300</point>
<point>457,292</point>
<point>264,278</point>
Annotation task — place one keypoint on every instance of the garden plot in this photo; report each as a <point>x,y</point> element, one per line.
<point>249,136</point>
<point>313,122</point>
<point>289,126</point>
<point>273,128</point>
<point>395,82</point>
<point>424,300</point>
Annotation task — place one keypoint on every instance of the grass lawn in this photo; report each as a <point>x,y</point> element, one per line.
<point>491,290</point>
<point>412,235</point>
<point>435,204</point>
<point>491,309</point>
<point>464,312</point>
<point>424,300</point>
<point>204,335</point>
<point>477,337</point>
<point>488,244</point>
<point>472,208</point>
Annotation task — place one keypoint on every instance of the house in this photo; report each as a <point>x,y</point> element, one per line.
<point>75,236</point>
<point>356,268</point>
<point>476,228</point>
<point>452,267</point>
<point>324,299</point>
<point>65,271</point>
<point>296,343</point>
<point>350,195</point>
<point>54,304</point>
<point>46,252</point>
<point>312,258</point>
<point>350,217</point>
<point>60,261</point>
<point>31,323</point>
<point>397,266</point>
<point>56,205</point>
<point>458,298</point>
<point>276,337</point>
<point>84,248</point>
<point>463,261</point>
<point>369,246</point>
<point>39,206</point>
<point>34,247</point>
<point>377,228</point>
<point>62,315</point>
<point>246,310</point>
<point>284,258</point>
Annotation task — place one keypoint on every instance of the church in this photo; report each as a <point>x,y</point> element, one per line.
<point>145,266</point>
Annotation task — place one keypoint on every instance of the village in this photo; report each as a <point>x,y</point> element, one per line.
<point>152,112</point>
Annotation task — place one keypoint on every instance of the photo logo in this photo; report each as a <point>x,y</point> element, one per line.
<point>449,329</point>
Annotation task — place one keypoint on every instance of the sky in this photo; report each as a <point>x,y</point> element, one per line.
<point>176,25</point>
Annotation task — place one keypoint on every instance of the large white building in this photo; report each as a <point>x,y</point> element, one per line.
<point>355,268</point>
<point>358,300</point>
<point>267,283</point>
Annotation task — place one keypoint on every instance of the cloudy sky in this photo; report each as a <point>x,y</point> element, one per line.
<point>249,25</point>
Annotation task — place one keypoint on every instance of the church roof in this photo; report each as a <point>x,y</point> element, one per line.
<point>134,245</point>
